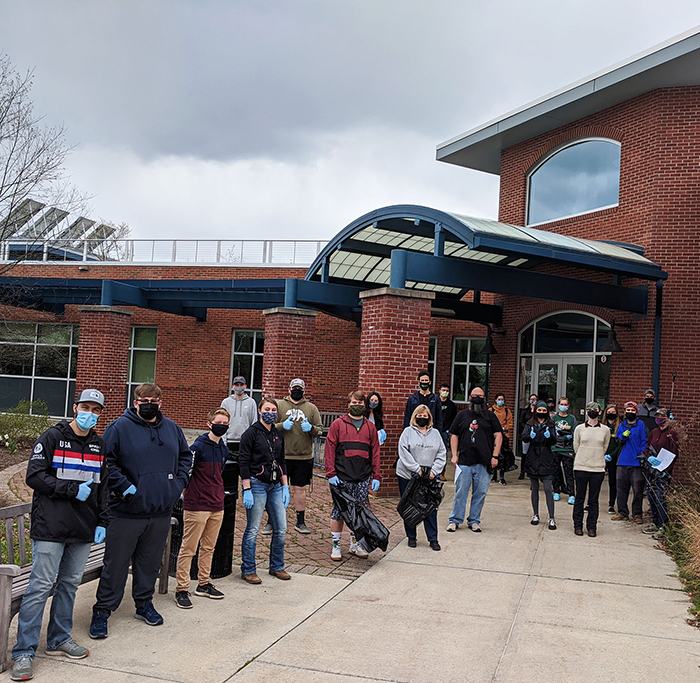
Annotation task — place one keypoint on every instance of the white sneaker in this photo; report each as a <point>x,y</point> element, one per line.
<point>336,554</point>
<point>359,551</point>
<point>452,526</point>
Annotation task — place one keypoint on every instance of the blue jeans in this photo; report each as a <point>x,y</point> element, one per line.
<point>429,523</point>
<point>67,560</point>
<point>478,478</point>
<point>656,495</point>
<point>269,495</point>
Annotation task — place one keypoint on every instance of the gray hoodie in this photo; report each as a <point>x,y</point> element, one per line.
<point>243,413</point>
<point>418,450</point>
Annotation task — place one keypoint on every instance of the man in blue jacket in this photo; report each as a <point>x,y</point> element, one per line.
<point>633,435</point>
<point>424,396</point>
<point>148,461</point>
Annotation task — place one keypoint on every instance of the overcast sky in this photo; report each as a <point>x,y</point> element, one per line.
<point>226,119</point>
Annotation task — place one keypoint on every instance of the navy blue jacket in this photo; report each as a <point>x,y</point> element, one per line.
<point>153,456</point>
<point>205,492</point>
<point>434,405</point>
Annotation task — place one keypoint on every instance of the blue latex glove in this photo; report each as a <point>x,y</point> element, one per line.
<point>100,533</point>
<point>533,433</point>
<point>84,491</point>
<point>285,496</point>
<point>546,433</point>
<point>306,426</point>
<point>375,484</point>
<point>654,462</point>
<point>415,475</point>
<point>288,424</point>
<point>608,458</point>
<point>131,491</point>
<point>382,436</point>
<point>334,481</point>
<point>569,436</point>
<point>248,499</point>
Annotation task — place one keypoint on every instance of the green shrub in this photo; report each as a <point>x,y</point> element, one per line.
<point>23,424</point>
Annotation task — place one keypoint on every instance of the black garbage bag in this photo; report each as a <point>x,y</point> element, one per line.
<point>506,460</point>
<point>368,530</point>
<point>420,499</point>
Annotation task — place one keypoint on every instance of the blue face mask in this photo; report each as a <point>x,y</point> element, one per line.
<point>563,409</point>
<point>86,420</point>
<point>500,403</point>
<point>268,418</point>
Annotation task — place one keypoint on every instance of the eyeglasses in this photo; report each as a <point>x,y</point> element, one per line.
<point>144,401</point>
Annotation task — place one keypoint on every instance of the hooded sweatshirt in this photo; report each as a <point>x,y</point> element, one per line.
<point>205,492</point>
<point>417,450</point>
<point>298,444</point>
<point>154,457</point>
<point>243,412</point>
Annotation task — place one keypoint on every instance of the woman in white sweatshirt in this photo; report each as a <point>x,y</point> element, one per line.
<point>421,449</point>
<point>590,444</point>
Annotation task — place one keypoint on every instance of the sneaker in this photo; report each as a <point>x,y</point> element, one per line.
<point>578,531</point>
<point>650,529</point>
<point>571,500</point>
<point>557,496</point>
<point>69,649</point>
<point>475,528</point>
<point>148,614</point>
<point>251,578</point>
<point>535,520</point>
<point>638,519</point>
<point>182,599</point>
<point>267,530</point>
<point>618,517</point>
<point>336,553</point>
<point>358,551</point>
<point>281,574</point>
<point>208,591</point>
<point>592,533</point>
<point>22,669</point>
<point>660,534</point>
<point>452,526</point>
<point>412,543</point>
<point>302,528</point>
<point>435,545</point>
<point>503,482</point>
<point>611,510</point>
<point>552,526</point>
<point>98,625</point>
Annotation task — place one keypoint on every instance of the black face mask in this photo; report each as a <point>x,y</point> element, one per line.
<point>593,414</point>
<point>541,416</point>
<point>477,400</point>
<point>422,421</point>
<point>147,411</point>
<point>612,417</point>
<point>649,400</point>
<point>424,385</point>
<point>297,394</point>
<point>631,417</point>
<point>219,429</point>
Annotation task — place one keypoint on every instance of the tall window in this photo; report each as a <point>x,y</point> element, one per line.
<point>142,358</point>
<point>432,352</point>
<point>468,366</point>
<point>247,359</point>
<point>574,179</point>
<point>38,363</point>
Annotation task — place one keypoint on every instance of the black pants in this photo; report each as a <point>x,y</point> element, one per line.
<point>566,483</point>
<point>141,542</point>
<point>629,477</point>
<point>591,481</point>
<point>612,483</point>
<point>429,523</point>
<point>535,495</point>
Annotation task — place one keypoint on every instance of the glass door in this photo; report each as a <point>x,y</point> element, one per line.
<point>565,376</point>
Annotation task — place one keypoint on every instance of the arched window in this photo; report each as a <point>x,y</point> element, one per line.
<point>574,179</point>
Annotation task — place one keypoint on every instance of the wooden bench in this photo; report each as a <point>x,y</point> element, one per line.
<point>14,576</point>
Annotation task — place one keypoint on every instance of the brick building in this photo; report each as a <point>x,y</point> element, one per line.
<point>597,223</point>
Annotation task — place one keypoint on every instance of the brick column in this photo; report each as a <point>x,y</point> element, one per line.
<point>393,349</point>
<point>103,356</point>
<point>289,349</point>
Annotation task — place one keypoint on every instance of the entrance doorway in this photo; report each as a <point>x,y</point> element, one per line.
<point>565,376</point>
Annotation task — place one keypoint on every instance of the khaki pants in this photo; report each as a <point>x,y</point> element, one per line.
<point>198,526</point>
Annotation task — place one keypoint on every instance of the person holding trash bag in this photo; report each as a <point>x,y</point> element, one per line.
<point>264,484</point>
<point>421,450</point>
<point>351,456</point>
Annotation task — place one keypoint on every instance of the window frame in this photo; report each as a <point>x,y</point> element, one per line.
<point>432,363</point>
<point>131,386</point>
<point>466,364</point>
<point>252,391</point>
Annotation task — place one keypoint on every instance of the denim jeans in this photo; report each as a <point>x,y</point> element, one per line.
<point>478,478</point>
<point>67,560</point>
<point>656,495</point>
<point>269,495</point>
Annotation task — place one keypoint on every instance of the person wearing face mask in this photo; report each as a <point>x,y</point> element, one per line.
<point>264,483</point>
<point>203,509</point>
<point>243,412</point>
<point>425,397</point>
<point>300,423</point>
<point>421,451</point>
<point>148,461</point>
<point>374,412</point>
<point>551,407</point>
<point>68,476</point>
<point>475,443</point>
<point>505,417</point>
<point>611,419</point>
<point>526,414</point>
<point>351,456</point>
<point>632,434</point>
<point>646,410</point>
<point>662,436</point>
<point>448,410</point>
<point>540,463</point>
<point>591,440</point>
<point>564,423</point>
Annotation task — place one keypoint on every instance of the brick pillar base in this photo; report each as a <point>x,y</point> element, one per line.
<point>393,349</point>
<point>103,356</point>
<point>289,350</point>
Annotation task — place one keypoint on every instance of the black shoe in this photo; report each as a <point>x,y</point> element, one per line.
<point>435,545</point>
<point>98,626</point>
<point>148,614</point>
<point>578,531</point>
<point>611,510</point>
<point>521,475</point>
<point>208,591</point>
<point>182,599</point>
<point>502,482</point>
<point>411,542</point>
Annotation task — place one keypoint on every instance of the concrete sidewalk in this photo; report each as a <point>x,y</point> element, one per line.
<point>515,603</point>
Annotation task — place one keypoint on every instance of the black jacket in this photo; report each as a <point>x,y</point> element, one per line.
<point>539,460</point>
<point>60,462</point>
<point>434,405</point>
<point>259,451</point>
<point>448,410</point>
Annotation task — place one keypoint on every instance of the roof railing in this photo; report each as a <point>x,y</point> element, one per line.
<point>228,252</point>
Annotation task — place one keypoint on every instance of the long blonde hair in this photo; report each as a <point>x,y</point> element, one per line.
<point>420,410</point>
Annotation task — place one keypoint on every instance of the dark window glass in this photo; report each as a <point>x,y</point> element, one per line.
<point>52,361</point>
<point>145,337</point>
<point>257,373</point>
<point>461,350</point>
<point>74,362</point>
<point>243,366</point>
<point>52,393</point>
<point>54,334</point>
<point>16,359</point>
<point>476,355</point>
<point>459,382</point>
<point>579,178</point>
<point>477,377</point>
<point>526,340</point>
<point>17,332</point>
<point>144,367</point>
<point>243,342</point>
<point>602,380</point>
<point>602,337</point>
<point>13,390</point>
<point>259,342</point>
<point>565,333</point>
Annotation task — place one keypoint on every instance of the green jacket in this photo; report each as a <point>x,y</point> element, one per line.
<point>565,426</point>
<point>298,445</point>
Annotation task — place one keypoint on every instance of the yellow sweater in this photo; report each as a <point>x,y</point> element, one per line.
<point>590,444</point>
